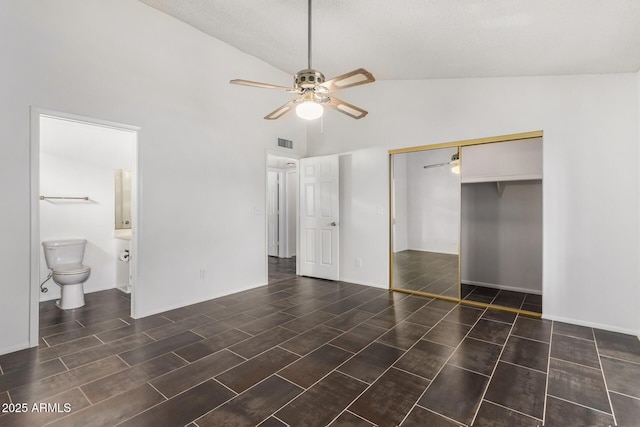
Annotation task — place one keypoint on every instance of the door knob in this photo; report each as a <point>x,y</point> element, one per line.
<point>333,224</point>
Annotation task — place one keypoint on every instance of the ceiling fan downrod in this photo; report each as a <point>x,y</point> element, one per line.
<point>309,36</point>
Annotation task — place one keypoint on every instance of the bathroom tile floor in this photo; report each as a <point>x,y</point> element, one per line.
<point>307,352</point>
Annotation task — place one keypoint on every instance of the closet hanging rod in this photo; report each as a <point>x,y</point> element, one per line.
<point>64,198</point>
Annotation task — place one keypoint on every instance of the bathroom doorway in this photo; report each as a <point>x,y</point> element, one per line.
<point>78,165</point>
<point>281,217</point>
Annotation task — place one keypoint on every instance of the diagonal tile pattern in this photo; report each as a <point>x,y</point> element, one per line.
<point>310,352</point>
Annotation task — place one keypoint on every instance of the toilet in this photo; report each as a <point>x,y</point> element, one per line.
<point>64,258</point>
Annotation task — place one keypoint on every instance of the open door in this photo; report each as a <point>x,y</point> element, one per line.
<point>319,207</point>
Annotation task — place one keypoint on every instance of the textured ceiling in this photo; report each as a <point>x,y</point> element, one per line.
<point>424,39</point>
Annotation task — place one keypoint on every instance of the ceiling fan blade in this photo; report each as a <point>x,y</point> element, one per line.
<point>281,111</point>
<point>258,84</point>
<point>346,108</point>
<point>436,165</point>
<point>353,78</point>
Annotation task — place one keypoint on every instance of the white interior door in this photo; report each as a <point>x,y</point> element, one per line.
<point>319,207</point>
<point>272,213</point>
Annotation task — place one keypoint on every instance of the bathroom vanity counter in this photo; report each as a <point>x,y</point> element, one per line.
<point>124,234</point>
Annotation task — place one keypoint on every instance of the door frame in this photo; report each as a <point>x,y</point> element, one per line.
<point>34,200</point>
<point>278,173</point>
<point>284,155</point>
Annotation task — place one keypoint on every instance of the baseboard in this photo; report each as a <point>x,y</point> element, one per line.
<point>360,282</point>
<point>592,325</point>
<point>501,287</point>
<point>124,289</point>
<point>18,347</point>
<point>431,251</point>
<point>217,295</point>
<point>100,289</point>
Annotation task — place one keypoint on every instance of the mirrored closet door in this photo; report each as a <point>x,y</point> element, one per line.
<point>466,221</point>
<point>426,221</point>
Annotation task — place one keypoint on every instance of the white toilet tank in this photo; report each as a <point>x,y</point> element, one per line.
<point>58,252</point>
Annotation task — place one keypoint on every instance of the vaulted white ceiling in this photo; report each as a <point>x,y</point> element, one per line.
<point>426,39</point>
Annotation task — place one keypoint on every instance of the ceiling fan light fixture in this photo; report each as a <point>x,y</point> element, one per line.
<point>455,164</point>
<point>311,89</point>
<point>309,110</point>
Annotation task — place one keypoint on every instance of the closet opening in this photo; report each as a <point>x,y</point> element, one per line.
<point>466,222</point>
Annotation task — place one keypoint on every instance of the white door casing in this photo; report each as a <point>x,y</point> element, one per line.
<point>35,245</point>
<point>291,178</point>
<point>319,209</point>
<point>272,213</point>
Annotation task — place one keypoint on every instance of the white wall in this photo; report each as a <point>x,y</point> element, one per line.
<point>401,223</point>
<point>125,62</point>
<point>590,213</point>
<point>364,217</point>
<point>77,159</point>
<point>501,236</point>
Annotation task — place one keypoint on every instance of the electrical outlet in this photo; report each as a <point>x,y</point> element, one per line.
<point>358,262</point>
<point>202,273</point>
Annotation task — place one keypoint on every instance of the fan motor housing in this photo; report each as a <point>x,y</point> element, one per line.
<point>308,78</point>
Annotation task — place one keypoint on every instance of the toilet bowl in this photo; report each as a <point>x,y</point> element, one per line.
<point>64,258</point>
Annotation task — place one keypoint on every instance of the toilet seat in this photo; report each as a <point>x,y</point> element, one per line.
<point>68,269</point>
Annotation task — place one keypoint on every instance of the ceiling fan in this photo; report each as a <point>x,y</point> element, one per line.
<point>313,91</point>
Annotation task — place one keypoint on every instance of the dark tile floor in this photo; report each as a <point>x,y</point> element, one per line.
<point>306,352</point>
<point>281,268</point>
<point>510,299</point>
